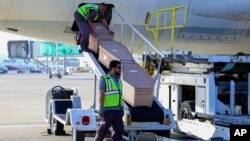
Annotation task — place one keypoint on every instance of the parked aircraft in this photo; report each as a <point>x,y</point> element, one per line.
<point>19,65</point>
<point>3,69</point>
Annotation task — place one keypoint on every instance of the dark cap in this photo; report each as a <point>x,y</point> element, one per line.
<point>103,4</point>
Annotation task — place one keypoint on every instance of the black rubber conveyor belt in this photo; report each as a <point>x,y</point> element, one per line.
<point>146,114</point>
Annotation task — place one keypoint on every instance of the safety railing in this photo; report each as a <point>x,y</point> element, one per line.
<point>158,23</point>
<point>135,31</point>
<point>148,45</point>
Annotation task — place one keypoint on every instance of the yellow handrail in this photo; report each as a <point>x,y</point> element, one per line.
<point>155,30</point>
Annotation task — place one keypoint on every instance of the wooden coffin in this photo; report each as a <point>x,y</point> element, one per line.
<point>111,50</point>
<point>138,86</point>
<point>102,34</point>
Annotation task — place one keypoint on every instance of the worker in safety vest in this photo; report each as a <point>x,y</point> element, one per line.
<point>111,110</point>
<point>84,16</point>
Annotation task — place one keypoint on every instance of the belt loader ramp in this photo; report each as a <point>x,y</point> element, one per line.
<point>63,105</point>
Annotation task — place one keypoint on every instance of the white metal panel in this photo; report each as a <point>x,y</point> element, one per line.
<point>203,130</point>
<point>229,58</point>
<point>193,80</point>
<point>164,95</point>
<point>200,99</point>
<point>211,96</point>
<point>76,119</point>
<point>232,97</point>
<point>176,95</point>
<point>185,79</point>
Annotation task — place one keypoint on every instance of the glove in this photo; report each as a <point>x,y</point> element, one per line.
<point>101,112</point>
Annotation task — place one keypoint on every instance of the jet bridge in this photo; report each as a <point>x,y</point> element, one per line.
<point>33,50</point>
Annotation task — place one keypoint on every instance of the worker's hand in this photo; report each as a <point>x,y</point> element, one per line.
<point>94,34</point>
<point>101,112</point>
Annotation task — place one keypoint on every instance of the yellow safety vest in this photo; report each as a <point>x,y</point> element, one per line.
<point>84,10</point>
<point>113,94</point>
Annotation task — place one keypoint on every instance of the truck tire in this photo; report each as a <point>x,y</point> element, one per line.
<point>59,76</point>
<point>55,126</point>
<point>185,110</point>
<point>50,76</point>
<point>78,135</point>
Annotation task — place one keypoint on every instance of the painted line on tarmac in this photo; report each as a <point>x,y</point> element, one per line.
<point>22,126</point>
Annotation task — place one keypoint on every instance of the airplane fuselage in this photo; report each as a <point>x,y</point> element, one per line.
<point>212,26</point>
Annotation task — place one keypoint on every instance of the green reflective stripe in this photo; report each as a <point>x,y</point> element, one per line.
<point>84,10</point>
<point>112,92</point>
<point>109,85</point>
<point>116,86</point>
<point>111,100</point>
<point>106,82</point>
<point>112,97</point>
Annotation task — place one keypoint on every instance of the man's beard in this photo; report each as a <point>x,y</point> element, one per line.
<point>117,73</point>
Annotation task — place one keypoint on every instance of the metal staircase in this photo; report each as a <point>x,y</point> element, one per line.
<point>99,70</point>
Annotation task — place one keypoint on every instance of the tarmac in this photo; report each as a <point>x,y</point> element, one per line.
<point>22,104</point>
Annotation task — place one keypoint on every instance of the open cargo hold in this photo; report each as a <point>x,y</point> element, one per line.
<point>138,86</point>
<point>102,34</point>
<point>111,50</point>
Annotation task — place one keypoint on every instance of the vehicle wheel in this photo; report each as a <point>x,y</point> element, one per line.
<point>50,76</point>
<point>55,126</point>
<point>163,133</point>
<point>59,76</point>
<point>78,135</point>
<point>185,110</point>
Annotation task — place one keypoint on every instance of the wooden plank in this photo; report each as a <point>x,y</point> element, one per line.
<point>102,34</point>
<point>110,50</point>
<point>138,86</point>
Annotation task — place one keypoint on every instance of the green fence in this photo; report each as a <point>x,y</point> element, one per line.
<point>49,49</point>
